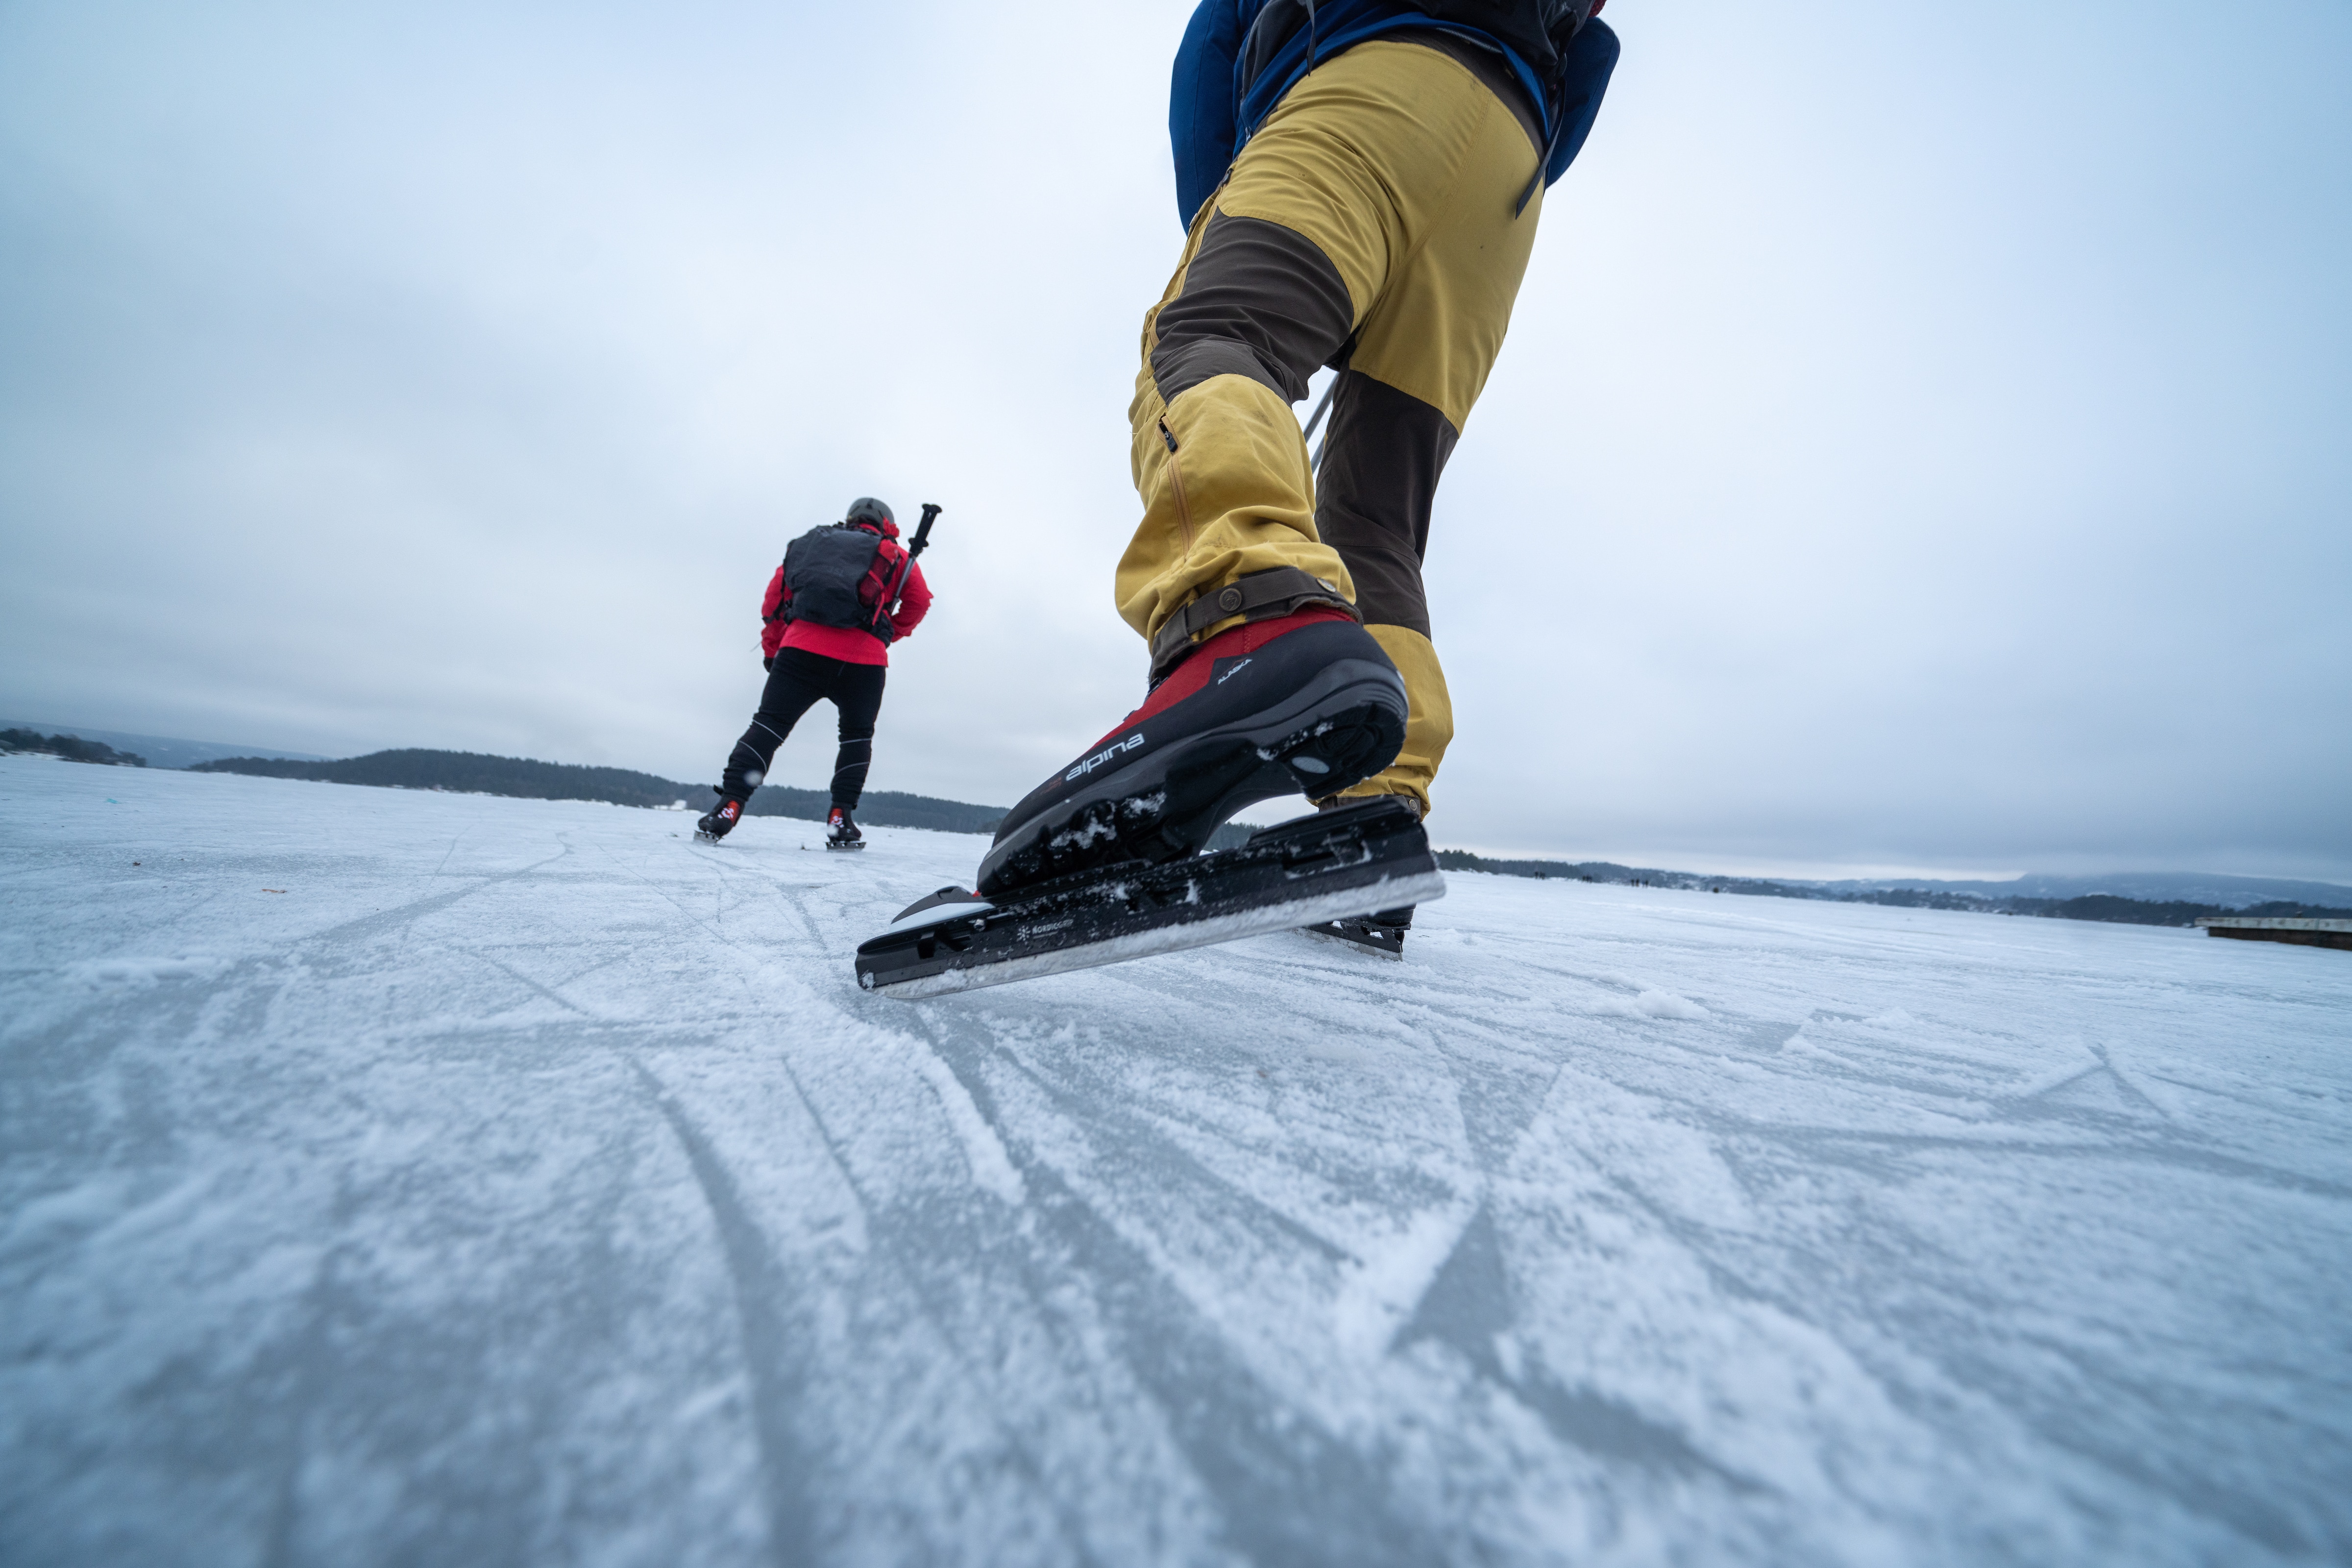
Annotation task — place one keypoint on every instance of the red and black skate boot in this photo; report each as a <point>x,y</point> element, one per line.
<point>840,832</point>
<point>720,819</point>
<point>1302,703</point>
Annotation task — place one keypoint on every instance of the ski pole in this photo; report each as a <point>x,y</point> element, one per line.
<point>1321,409</point>
<point>889,605</point>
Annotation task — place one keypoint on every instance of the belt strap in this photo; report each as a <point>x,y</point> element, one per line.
<point>1258,596</point>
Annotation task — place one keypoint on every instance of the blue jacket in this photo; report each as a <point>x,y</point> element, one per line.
<point>1212,110</point>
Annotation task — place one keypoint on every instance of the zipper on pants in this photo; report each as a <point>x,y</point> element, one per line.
<point>1176,479</point>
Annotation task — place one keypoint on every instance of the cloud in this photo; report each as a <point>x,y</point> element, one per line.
<point>1909,447</point>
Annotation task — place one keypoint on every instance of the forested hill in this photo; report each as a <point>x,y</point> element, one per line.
<point>468,773</point>
<point>473,772</point>
<point>73,748</point>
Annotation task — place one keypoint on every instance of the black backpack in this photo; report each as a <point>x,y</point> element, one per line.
<point>1539,30</point>
<point>823,570</point>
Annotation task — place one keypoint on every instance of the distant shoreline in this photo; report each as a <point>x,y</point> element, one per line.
<point>526,778</point>
<point>2107,907</point>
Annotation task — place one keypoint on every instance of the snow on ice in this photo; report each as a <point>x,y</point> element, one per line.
<point>526,1183</point>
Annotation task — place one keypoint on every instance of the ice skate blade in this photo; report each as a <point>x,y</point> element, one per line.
<point>1329,931</point>
<point>1337,865</point>
<point>1210,932</point>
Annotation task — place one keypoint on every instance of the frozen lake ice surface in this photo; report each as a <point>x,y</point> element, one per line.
<point>401,1177</point>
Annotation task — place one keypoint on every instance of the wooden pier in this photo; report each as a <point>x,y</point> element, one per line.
<point>2304,932</point>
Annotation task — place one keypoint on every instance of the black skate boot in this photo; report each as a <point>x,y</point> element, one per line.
<point>720,820</point>
<point>840,832</point>
<point>1305,703</point>
<point>1382,933</point>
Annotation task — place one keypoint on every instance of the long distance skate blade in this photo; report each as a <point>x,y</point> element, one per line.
<point>1328,867</point>
<point>1380,940</point>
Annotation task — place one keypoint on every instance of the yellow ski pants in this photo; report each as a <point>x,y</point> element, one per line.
<point>1367,224</point>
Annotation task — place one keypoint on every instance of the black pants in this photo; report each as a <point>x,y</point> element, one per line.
<point>797,680</point>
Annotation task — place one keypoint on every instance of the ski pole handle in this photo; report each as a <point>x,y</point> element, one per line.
<point>890,603</point>
<point>923,529</point>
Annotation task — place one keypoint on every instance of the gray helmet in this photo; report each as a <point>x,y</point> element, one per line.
<point>866,508</point>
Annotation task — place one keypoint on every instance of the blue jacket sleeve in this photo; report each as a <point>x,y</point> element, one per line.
<point>1584,74</point>
<point>1201,102</point>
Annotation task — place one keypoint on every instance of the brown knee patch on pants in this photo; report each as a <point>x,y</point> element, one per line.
<point>1258,299</point>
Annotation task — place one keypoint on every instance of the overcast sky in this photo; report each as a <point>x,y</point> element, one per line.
<point>1924,442</point>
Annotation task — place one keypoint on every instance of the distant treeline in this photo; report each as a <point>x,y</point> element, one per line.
<point>73,748</point>
<point>2095,907</point>
<point>467,773</point>
<point>2108,907</point>
<point>471,773</point>
<point>1555,870</point>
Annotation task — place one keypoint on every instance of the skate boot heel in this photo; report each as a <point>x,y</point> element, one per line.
<point>1357,740</point>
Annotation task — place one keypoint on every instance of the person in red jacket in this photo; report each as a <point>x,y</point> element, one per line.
<point>844,593</point>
